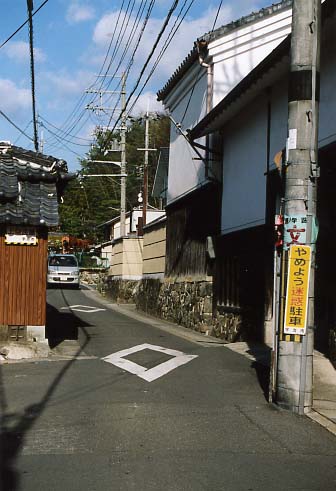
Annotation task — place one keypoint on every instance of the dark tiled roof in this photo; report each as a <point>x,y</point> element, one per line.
<point>30,186</point>
<point>217,34</point>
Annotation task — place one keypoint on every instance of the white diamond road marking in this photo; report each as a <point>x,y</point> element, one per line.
<point>150,374</point>
<point>83,308</point>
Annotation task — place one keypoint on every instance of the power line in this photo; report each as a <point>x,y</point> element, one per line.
<point>71,122</point>
<point>112,37</point>
<point>25,129</point>
<point>64,139</point>
<point>62,144</point>
<point>22,25</point>
<point>216,18</point>
<point>137,44</point>
<point>15,126</point>
<point>159,36</point>
<point>169,39</point>
<point>128,43</point>
<point>119,39</point>
<point>67,134</point>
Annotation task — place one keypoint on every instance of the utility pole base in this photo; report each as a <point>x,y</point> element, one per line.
<point>293,393</point>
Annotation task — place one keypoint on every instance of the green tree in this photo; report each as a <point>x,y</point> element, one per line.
<point>90,201</point>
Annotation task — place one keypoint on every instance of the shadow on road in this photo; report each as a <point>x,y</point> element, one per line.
<point>14,426</point>
<point>262,363</point>
<point>61,326</point>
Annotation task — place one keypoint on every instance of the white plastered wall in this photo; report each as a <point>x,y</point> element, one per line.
<point>234,55</point>
<point>244,166</point>
<point>187,106</point>
<point>237,53</point>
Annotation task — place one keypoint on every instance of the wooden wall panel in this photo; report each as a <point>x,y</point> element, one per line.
<point>189,222</point>
<point>23,283</point>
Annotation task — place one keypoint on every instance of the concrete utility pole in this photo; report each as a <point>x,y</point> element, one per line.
<point>42,142</point>
<point>123,131</point>
<point>145,183</point>
<point>295,361</point>
<point>145,172</point>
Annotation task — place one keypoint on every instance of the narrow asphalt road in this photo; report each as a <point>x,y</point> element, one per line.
<point>124,405</point>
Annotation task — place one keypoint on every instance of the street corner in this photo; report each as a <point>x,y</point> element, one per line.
<point>11,352</point>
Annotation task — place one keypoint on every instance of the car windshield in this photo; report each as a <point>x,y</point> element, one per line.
<point>62,261</point>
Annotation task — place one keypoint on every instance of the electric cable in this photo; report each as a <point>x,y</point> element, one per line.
<point>158,38</point>
<point>167,42</point>
<point>61,131</point>
<point>66,140</point>
<point>216,18</point>
<point>62,144</point>
<point>71,122</point>
<point>111,41</point>
<point>137,44</point>
<point>133,31</point>
<point>106,56</point>
<point>15,126</point>
<point>22,25</point>
<point>25,129</point>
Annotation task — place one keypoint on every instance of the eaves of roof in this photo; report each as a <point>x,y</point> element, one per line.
<point>212,36</point>
<point>35,157</point>
<point>155,223</point>
<point>113,220</point>
<point>261,77</point>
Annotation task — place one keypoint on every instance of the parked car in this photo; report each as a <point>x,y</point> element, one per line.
<point>63,269</point>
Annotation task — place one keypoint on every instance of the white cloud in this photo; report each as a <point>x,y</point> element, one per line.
<point>189,30</point>
<point>14,100</point>
<point>79,12</point>
<point>147,101</point>
<point>19,51</point>
<point>182,42</point>
<point>64,84</point>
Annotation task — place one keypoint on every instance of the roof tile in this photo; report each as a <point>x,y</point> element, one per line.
<point>30,184</point>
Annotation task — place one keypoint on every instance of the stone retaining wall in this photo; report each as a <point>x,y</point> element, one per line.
<point>190,304</point>
<point>93,276</point>
<point>118,290</point>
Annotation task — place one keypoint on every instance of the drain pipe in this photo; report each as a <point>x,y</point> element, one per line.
<point>202,48</point>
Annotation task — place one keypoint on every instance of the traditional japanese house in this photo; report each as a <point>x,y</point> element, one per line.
<point>31,185</point>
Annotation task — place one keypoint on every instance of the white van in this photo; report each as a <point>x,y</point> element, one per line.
<point>63,269</point>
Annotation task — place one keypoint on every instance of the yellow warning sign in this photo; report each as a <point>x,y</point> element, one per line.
<point>297,290</point>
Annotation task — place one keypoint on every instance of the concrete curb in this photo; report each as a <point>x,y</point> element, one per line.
<point>323,421</point>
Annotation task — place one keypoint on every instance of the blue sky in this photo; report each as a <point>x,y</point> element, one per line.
<point>71,38</point>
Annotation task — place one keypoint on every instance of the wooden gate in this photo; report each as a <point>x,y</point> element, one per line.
<point>23,283</point>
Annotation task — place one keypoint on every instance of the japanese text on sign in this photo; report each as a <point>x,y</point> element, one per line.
<point>295,230</point>
<point>23,236</point>
<point>297,290</point>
